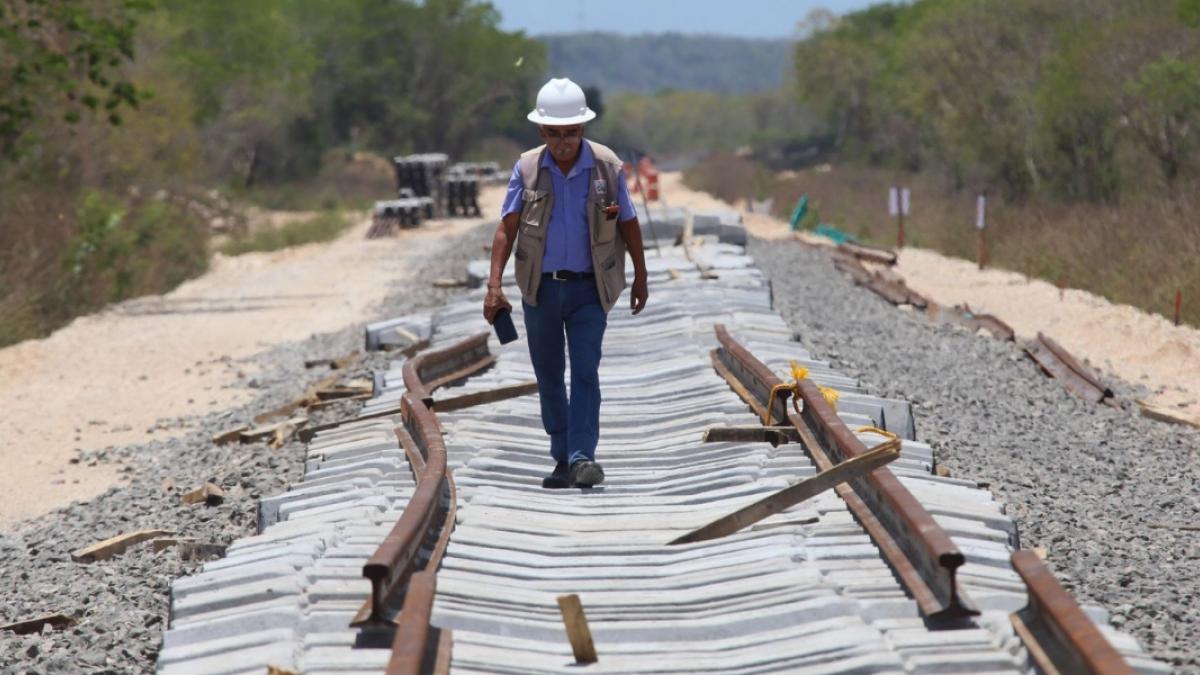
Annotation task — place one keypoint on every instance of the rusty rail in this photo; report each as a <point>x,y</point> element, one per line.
<point>963,316</point>
<point>1060,638</point>
<point>1058,635</point>
<point>916,547</point>
<point>393,566</point>
<point>884,283</point>
<point>1061,365</point>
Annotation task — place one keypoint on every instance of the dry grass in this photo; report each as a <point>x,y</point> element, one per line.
<point>1137,253</point>
<point>64,254</point>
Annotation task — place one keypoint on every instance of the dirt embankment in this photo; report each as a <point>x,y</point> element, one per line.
<point>132,372</point>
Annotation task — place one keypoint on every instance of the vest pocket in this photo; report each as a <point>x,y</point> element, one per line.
<point>605,229</point>
<point>534,208</point>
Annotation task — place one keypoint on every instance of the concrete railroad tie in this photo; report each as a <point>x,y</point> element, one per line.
<point>802,591</point>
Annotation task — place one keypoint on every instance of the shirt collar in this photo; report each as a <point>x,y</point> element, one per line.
<point>587,159</point>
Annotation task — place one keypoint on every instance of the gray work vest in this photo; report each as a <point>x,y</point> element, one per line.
<point>608,248</point>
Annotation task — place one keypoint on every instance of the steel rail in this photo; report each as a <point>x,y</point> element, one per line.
<point>916,547</point>
<point>431,507</point>
<point>1059,636</point>
<point>1060,364</point>
<point>1054,629</point>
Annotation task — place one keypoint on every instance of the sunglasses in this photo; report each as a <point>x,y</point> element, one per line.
<point>572,133</point>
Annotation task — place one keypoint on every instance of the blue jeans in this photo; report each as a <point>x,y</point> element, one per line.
<point>574,426</point>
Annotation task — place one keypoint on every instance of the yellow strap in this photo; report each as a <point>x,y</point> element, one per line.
<point>876,430</point>
<point>777,390</point>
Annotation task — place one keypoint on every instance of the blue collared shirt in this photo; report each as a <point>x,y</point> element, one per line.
<point>568,246</point>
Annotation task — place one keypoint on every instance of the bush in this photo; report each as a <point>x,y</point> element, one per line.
<point>122,250</point>
<point>322,227</point>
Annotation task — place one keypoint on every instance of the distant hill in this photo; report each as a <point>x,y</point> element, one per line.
<point>646,64</point>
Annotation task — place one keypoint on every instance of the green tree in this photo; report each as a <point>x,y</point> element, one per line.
<point>249,68</point>
<point>63,58</point>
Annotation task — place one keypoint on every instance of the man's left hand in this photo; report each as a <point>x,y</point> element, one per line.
<point>638,294</point>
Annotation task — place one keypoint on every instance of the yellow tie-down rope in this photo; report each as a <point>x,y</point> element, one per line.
<point>892,439</point>
<point>798,373</point>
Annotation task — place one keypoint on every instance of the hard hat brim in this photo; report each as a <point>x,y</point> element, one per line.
<point>537,118</point>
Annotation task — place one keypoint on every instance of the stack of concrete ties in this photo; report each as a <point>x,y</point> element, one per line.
<point>725,226</point>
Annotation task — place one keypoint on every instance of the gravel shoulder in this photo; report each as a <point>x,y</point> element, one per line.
<point>120,605</point>
<point>1103,489</point>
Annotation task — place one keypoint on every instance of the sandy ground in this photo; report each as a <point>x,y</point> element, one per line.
<point>122,375</point>
<point>1124,341</point>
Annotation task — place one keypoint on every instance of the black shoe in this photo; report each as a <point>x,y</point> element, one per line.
<point>559,478</point>
<point>586,473</point>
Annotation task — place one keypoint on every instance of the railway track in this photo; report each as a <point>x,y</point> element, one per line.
<point>423,542</point>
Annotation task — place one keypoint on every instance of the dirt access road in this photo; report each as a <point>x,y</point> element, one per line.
<point>120,376</point>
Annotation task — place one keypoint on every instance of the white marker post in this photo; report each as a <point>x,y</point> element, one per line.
<point>898,199</point>
<point>981,225</point>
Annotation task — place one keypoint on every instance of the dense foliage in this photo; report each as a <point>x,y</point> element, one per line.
<point>1080,99</point>
<point>125,125</point>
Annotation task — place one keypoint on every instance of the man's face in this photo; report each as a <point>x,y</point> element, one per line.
<point>562,142</point>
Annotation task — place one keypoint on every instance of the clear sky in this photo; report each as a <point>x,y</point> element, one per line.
<point>744,18</point>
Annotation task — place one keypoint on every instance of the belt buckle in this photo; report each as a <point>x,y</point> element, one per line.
<point>554,276</point>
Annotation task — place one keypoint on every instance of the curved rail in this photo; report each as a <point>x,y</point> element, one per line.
<point>393,566</point>
<point>1059,636</point>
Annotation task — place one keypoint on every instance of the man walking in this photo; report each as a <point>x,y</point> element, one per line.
<point>569,213</point>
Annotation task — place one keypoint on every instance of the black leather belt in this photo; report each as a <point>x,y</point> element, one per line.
<point>568,275</point>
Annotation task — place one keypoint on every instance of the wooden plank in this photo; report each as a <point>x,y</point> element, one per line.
<point>339,363</point>
<point>30,626</point>
<point>209,493</point>
<point>354,388</point>
<point>316,407</point>
<point>265,432</point>
<point>229,436</point>
<point>795,493</point>
<point>482,397</point>
<point>577,628</point>
<point>1162,414</point>
<point>103,550</point>
<point>308,397</point>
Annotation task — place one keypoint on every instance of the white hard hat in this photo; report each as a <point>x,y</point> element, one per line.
<point>561,102</point>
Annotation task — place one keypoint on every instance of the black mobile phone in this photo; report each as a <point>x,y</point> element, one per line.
<point>506,332</point>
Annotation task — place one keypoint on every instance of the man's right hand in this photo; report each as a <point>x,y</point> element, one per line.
<point>493,302</point>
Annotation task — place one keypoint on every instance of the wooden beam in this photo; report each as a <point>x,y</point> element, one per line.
<point>795,493</point>
<point>1168,415</point>
<point>264,433</point>
<point>103,550</point>
<point>229,436</point>
<point>481,397</point>
<point>28,626</point>
<point>208,493</point>
<point>577,628</point>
